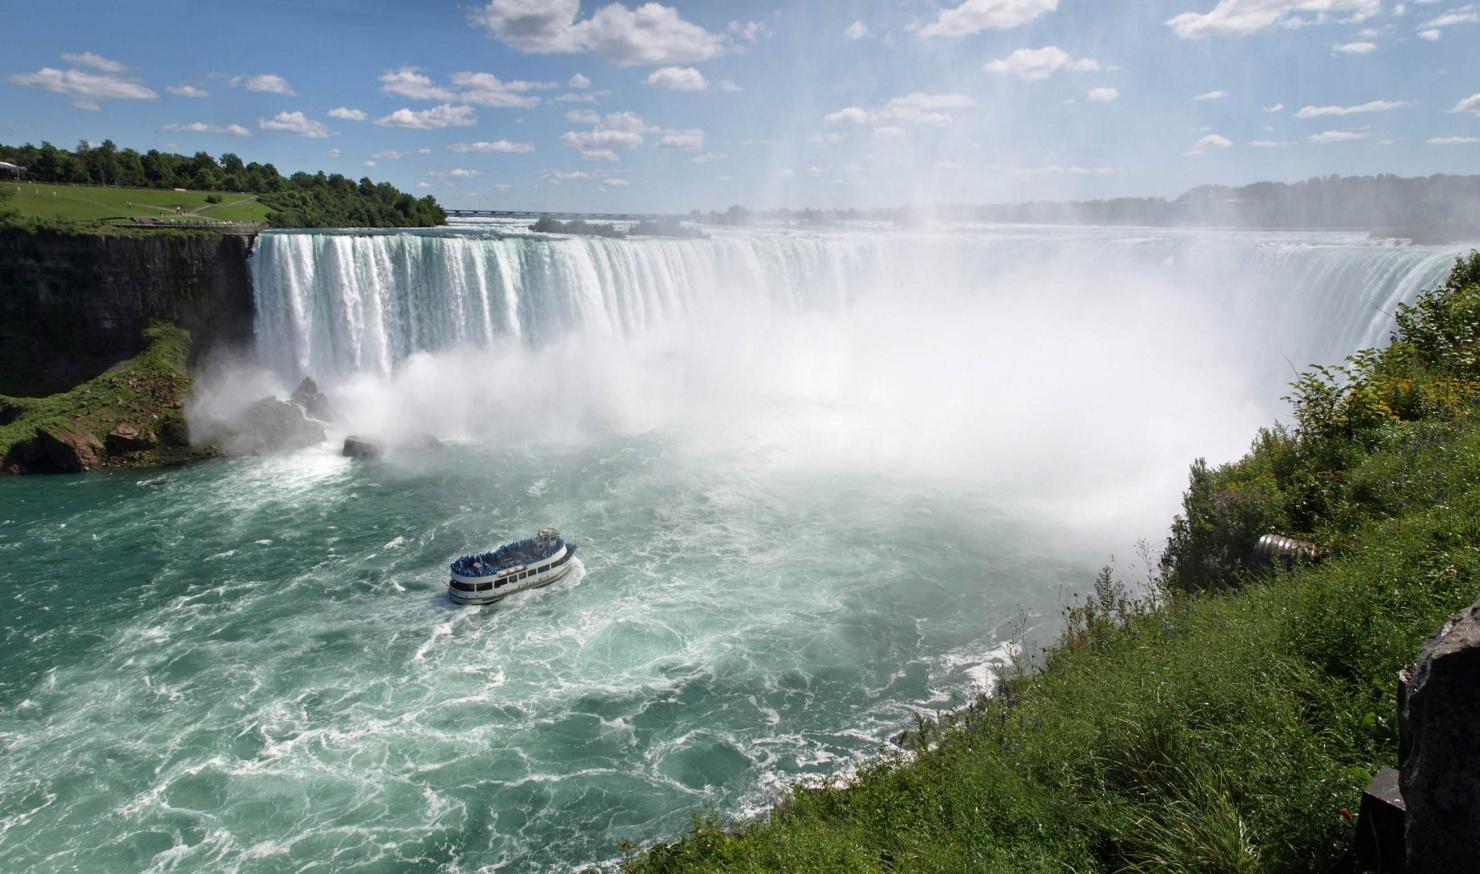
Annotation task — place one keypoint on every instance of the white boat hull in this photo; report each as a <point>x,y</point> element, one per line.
<point>492,589</point>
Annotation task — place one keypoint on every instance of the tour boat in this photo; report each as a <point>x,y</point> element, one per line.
<point>525,564</point>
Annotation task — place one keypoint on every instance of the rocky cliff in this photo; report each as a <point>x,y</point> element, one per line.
<point>73,305</point>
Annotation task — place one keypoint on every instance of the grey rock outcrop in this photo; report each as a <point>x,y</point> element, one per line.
<point>1439,748</point>
<point>270,425</point>
<point>361,447</point>
<point>314,402</point>
<point>70,450</point>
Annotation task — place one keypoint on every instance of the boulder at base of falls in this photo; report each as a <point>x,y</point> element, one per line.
<point>269,425</point>
<point>314,402</point>
<point>361,447</point>
<point>70,450</point>
<point>1439,747</point>
<point>126,438</point>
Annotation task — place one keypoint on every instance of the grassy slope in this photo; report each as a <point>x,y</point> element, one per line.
<point>147,391</point>
<point>1210,732</point>
<point>87,203</point>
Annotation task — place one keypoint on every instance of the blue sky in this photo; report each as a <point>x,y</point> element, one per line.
<point>573,104</point>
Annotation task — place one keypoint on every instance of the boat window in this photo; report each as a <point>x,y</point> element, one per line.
<point>462,587</point>
<point>483,587</point>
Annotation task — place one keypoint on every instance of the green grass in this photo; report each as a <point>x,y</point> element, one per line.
<point>1228,724</point>
<point>36,201</point>
<point>147,391</point>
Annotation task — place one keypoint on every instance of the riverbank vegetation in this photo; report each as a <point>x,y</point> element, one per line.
<point>131,415</point>
<point>104,183</point>
<point>1218,718</point>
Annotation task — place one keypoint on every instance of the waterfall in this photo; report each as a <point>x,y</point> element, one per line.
<point>336,304</point>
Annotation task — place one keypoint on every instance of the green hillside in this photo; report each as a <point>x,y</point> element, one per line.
<point>95,203</point>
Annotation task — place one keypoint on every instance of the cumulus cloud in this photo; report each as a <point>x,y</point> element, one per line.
<point>188,91</point>
<point>1470,104</point>
<point>1466,14</point>
<point>87,90</point>
<point>678,79</point>
<point>650,34</point>
<point>1211,141</point>
<point>1370,106</point>
<point>1242,17</point>
<point>975,16</point>
<point>1103,95</point>
<point>266,83</point>
<point>1035,65</point>
<point>917,108</point>
<point>856,31</point>
<point>615,130</point>
<point>96,61</point>
<point>496,147</point>
<point>482,89</point>
<point>568,175</point>
<point>1452,141</point>
<point>347,114</point>
<point>1337,136</point>
<point>691,140</point>
<point>1211,95</point>
<point>295,123</point>
<point>442,116</point>
<point>200,127</point>
<point>1355,48</point>
<point>1278,107</point>
<point>1431,35</point>
<point>578,81</point>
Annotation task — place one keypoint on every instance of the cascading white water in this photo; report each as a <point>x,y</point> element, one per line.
<point>335,304</point>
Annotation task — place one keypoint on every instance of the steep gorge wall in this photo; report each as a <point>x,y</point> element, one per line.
<point>72,305</point>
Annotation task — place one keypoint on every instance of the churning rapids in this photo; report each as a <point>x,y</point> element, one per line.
<point>819,479</point>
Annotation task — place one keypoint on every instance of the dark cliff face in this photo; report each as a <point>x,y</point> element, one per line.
<point>73,305</point>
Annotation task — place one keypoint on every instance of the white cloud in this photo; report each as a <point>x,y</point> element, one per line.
<point>460,173</point>
<point>445,115</point>
<point>975,16</point>
<point>599,155</point>
<point>583,116</point>
<point>749,31</point>
<point>187,91</point>
<point>266,83</point>
<point>497,147</point>
<point>1243,17</point>
<point>336,153</point>
<point>856,31</point>
<point>690,140</point>
<point>295,123</point>
<point>1060,170</point>
<point>423,184</point>
<point>1467,14</point>
<point>890,132</point>
<point>200,127</point>
<point>1470,104</point>
<point>1267,144</point>
<point>1452,141</point>
<point>847,115</point>
<point>1337,136</point>
<point>709,156</point>
<point>650,34</point>
<point>728,86</point>
<point>347,114</point>
<point>1213,141</point>
<point>368,162</point>
<point>678,79</point>
<point>601,138</point>
<point>389,154</point>
<point>1035,65</point>
<point>614,182</point>
<point>578,81</point>
<point>486,89</point>
<point>568,175</point>
<point>1370,106</point>
<point>1431,35</point>
<point>1212,95</point>
<point>407,82</point>
<point>87,90</point>
<point>97,62</point>
<point>917,108</point>
<point>1355,48</point>
<point>1278,107</point>
<point>1103,95</point>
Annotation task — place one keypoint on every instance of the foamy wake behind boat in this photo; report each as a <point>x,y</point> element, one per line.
<point>514,567</point>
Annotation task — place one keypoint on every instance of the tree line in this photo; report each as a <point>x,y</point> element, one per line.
<point>301,200</point>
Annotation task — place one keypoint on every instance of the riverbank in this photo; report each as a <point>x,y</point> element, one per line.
<point>1228,722</point>
<point>131,415</point>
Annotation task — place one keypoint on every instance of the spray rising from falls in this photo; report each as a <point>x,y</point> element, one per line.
<point>1078,368</point>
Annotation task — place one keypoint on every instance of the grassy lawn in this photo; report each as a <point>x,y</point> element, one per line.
<point>86,203</point>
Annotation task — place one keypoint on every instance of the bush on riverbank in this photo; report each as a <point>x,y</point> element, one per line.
<point>1230,722</point>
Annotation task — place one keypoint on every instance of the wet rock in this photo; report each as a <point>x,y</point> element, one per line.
<point>424,441</point>
<point>1439,747</point>
<point>126,438</point>
<point>314,402</point>
<point>70,450</point>
<point>270,425</point>
<point>361,447</point>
